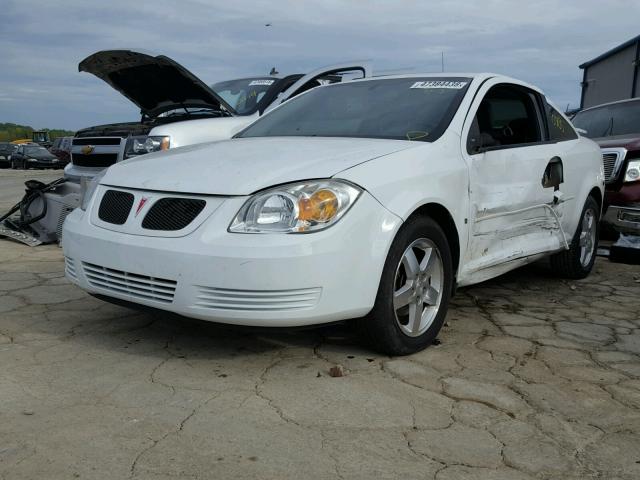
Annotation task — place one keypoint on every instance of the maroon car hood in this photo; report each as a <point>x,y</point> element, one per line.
<point>630,142</point>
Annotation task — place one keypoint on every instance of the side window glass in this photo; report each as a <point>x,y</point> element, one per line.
<point>507,116</point>
<point>559,128</point>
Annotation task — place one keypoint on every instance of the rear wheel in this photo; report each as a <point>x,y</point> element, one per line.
<point>578,261</point>
<point>414,290</point>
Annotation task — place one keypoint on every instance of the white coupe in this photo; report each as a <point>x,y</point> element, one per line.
<point>369,200</point>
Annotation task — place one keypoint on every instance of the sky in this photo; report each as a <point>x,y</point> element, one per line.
<point>42,42</point>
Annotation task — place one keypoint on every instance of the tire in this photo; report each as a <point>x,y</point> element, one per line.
<point>577,262</point>
<point>389,329</point>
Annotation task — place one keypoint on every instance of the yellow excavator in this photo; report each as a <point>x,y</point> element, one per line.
<point>41,137</point>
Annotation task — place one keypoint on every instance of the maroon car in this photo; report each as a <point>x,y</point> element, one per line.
<point>616,128</point>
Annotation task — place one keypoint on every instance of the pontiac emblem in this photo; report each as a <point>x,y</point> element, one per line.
<point>143,200</point>
<point>87,149</point>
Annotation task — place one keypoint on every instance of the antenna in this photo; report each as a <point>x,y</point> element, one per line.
<point>442,61</point>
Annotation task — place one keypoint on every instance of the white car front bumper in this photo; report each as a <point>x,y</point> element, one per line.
<point>245,279</point>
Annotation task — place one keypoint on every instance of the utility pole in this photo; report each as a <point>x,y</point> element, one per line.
<point>442,62</point>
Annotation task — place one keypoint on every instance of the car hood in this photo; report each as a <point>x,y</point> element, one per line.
<point>245,165</point>
<point>41,156</point>
<point>156,84</point>
<point>630,142</point>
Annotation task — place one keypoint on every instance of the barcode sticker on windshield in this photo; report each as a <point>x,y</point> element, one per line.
<point>439,84</point>
<point>261,82</point>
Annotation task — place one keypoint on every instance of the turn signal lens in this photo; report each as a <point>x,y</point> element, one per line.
<point>321,207</point>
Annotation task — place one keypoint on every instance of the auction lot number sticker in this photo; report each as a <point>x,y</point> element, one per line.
<point>439,84</point>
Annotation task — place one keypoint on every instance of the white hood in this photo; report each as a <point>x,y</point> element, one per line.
<point>244,165</point>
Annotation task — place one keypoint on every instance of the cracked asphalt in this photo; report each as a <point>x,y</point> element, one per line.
<point>533,378</point>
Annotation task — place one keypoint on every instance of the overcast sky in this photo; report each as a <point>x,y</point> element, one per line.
<point>41,43</point>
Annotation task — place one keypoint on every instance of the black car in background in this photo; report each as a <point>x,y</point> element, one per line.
<point>6,150</point>
<point>34,156</point>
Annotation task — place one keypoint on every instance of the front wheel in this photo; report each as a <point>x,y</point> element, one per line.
<point>413,296</point>
<point>578,261</point>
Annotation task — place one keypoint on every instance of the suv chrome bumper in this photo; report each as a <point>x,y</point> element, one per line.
<point>623,219</point>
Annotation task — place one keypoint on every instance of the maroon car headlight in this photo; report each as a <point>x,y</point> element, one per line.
<point>633,171</point>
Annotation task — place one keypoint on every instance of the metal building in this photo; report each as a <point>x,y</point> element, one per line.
<point>612,76</point>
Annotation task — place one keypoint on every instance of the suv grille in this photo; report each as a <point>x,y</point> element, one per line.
<point>172,213</point>
<point>94,159</point>
<point>115,207</point>
<point>609,161</point>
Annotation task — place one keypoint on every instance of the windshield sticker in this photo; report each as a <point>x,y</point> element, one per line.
<point>261,82</point>
<point>439,84</point>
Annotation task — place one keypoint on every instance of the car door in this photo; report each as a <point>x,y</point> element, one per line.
<point>329,74</point>
<point>511,161</point>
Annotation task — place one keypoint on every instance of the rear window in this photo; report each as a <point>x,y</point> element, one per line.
<point>609,120</point>
<point>394,108</point>
<point>559,128</point>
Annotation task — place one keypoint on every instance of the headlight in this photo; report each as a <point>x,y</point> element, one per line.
<point>91,190</point>
<point>141,145</point>
<point>633,171</point>
<point>296,208</point>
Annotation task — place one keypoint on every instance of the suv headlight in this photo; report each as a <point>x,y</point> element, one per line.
<point>633,171</point>
<point>296,208</point>
<point>141,145</point>
<point>91,190</point>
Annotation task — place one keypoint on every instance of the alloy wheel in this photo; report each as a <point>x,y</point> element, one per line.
<point>587,239</point>
<point>418,287</point>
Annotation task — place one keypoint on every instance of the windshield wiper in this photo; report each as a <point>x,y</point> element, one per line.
<point>608,129</point>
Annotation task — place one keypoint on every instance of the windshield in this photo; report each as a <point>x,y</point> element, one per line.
<point>244,94</point>
<point>36,151</point>
<point>609,120</point>
<point>394,108</point>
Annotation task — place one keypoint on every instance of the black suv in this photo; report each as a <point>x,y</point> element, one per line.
<point>6,149</point>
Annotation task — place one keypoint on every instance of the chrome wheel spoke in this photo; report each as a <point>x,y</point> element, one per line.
<point>403,296</point>
<point>415,317</point>
<point>428,261</point>
<point>431,296</point>
<point>411,265</point>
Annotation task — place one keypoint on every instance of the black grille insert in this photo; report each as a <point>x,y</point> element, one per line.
<point>97,141</point>
<point>172,213</point>
<point>94,159</point>
<point>115,207</point>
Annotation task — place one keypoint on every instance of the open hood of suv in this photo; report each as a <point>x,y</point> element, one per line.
<point>156,84</point>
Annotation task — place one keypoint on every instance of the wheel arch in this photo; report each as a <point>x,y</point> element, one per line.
<point>596,193</point>
<point>443,217</point>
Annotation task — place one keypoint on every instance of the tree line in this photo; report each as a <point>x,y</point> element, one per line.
<point>12,131</point>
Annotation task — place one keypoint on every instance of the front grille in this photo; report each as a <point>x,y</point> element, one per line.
<point>609,161</point>
<point>115,207</point>
<point>257,300</point>
<point>97,141</point>
<point>130,284</point>
<point>94,159</point>
<point>172,213</point>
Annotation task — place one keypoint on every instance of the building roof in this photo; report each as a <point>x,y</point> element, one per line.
<point>608,53</point>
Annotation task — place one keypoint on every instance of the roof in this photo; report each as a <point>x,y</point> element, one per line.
<point>614,50</point>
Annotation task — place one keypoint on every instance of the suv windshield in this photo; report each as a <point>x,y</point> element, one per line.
<point>244,94</point>
<point>393,108</point>
<point>609,120</point>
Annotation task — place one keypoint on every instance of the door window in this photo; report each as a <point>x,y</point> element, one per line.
<point>507,117</point>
